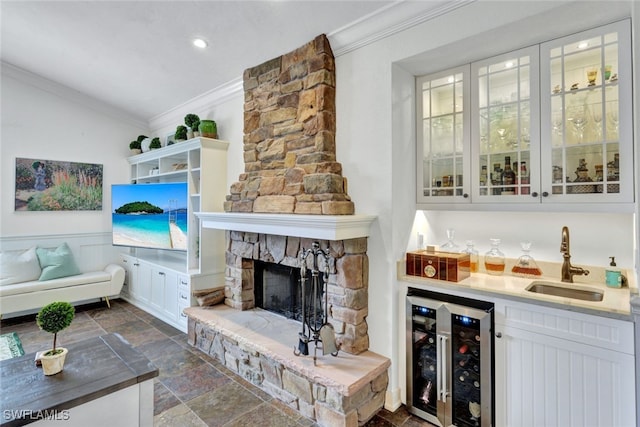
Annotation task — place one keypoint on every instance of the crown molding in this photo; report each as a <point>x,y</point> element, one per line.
<point>70,94</point>
<point>202,102</point>
<point>388,21</point>
<point>394,18</point>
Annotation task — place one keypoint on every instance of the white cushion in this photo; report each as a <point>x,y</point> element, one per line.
<point>18,267</point>
<point>63,282</point>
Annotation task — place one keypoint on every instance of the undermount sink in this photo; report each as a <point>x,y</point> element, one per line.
<point>565,290</point>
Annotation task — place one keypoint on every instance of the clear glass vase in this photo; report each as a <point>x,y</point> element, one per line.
<point>494,259</point>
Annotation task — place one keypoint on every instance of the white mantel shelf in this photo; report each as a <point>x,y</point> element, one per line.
<point>323,227</point>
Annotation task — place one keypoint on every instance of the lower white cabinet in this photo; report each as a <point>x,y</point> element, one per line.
<point>157,289</point>
<point>561,368</point>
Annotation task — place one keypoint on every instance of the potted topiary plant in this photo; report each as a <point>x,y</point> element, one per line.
<point>53,318</point>
<point>135,147</point>
<point>192,121</point>
<point>155,143</point>
<point>181,133</point>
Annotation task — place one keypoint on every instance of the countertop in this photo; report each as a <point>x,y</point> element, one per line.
<point>93,368</point>
<point>615,303</point>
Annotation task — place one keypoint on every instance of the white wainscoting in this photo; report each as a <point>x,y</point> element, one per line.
<point>91,251</point>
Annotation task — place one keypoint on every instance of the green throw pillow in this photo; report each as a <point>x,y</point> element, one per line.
<point>56,263</point>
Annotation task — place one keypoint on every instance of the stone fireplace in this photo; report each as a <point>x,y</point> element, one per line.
<point>291,194</point>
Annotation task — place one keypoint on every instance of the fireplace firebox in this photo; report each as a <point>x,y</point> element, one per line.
<point>277,289</point>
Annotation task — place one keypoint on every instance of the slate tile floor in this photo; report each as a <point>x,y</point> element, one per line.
<point>192,389</point>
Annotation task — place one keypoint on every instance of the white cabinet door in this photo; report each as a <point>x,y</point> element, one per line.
<point>170,306</point>
<point>547,381</point>
<point>587,119</point>
<point>442,167</point>
<point>561,368</point>
<point>143,281</point>
<point>158,283</point>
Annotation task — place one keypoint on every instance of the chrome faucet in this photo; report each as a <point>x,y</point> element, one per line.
<point>568,271</point>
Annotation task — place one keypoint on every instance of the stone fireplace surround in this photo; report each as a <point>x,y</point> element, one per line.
<point>291,177</point>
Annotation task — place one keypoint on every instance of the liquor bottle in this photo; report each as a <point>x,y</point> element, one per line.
<point>496,180</point>
<point>508,178</point>
<point>524,179</point>
<point>483,175</point>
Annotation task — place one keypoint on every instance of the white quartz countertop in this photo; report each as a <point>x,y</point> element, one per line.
<point>615,303</point>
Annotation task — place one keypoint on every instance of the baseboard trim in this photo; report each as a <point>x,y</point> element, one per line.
<point>392,400</point>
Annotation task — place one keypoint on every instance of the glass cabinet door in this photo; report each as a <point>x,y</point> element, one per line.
<point>443,137</point>
<point>587,120</point>
<point>505,127</point>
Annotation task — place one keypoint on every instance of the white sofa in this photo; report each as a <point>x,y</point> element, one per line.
<point>95,258</point>
<point>31,295</point>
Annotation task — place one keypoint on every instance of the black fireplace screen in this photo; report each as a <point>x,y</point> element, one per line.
<point>277,289</point>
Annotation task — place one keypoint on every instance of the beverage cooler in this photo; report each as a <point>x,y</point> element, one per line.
<point>449,359</point>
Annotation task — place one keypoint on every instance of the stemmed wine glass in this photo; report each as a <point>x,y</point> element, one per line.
<point>612,114</point>
<point>596,114</point>
<point>579,121</point>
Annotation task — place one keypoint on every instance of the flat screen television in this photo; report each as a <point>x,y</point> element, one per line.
<point>152,216</point>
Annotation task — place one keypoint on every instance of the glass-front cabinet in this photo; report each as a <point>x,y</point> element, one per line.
<point>551,123</point>
<point>506,138</point>
<point>587,122</point>
<point>443,137</point>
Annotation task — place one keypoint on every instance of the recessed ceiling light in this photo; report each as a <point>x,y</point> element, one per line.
<point>201,43</point>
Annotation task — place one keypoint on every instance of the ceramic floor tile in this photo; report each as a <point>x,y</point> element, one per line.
<point>176,362</point>
<point>180,415</point>
<point>137,332</point>
<point>117,315</point>
<point>224,404</point>
<point>163,398</point>
<point>265,415</point>
<point>395,418</point>
<point>191,383</point>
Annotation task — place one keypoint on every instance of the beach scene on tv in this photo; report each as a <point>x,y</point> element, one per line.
<point>150,215</point>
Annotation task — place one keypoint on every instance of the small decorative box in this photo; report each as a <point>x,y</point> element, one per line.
<point>452,267</point>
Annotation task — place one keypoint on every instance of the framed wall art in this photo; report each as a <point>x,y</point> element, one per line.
<point>50,185</point>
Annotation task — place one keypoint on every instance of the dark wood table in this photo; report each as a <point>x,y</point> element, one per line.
<point>94,368</point>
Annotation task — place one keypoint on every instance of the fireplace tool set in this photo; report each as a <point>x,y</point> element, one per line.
<point>315,325</point>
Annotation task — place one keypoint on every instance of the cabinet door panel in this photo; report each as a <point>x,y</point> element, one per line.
<point>443,137</point>
<point>505,137</point>
<point>143,281</point>
<point>586,122</point>
<point>170,306</point>
<point>553,382</point>
<point>158,283</point>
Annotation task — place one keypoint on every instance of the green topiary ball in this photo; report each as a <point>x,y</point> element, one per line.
<point>55,317</point>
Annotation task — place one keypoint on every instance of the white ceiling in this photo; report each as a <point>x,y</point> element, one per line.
<point>137,56</point>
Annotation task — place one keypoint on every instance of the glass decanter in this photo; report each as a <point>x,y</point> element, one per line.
<point>450,245</point>
<point>494,259</point>
<point>526,265</point>
<point>473,256</point>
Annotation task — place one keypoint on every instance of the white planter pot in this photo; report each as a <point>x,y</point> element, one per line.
<point>51,365</point>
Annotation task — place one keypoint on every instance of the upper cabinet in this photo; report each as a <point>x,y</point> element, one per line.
<point>443,137</point>
<point>587,119</point>
<point>550,124</point>
<point>505,130</point>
